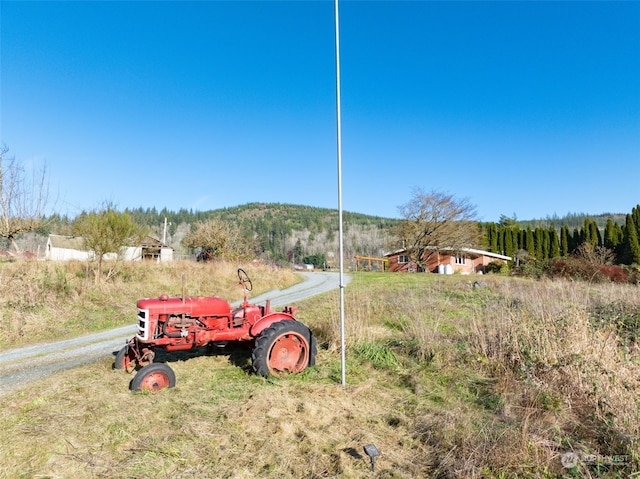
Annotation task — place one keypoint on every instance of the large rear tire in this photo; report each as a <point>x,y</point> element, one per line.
<point>153,377</point>
<point>287,346</point>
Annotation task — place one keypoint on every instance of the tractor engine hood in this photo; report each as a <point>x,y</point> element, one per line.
<point>194,307</point>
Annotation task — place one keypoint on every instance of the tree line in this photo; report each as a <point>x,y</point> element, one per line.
<point>619,242</point>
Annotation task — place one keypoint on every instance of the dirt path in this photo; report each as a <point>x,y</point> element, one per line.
<point>21,366</point>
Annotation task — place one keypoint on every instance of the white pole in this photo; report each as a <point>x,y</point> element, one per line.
<point>164,234</point>
<point>340,233</point>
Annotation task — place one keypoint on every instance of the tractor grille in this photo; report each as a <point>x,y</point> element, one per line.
<point>143,325</point>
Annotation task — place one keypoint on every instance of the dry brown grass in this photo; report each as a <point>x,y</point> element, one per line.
<point>448,380</point>
<point>218,422</point>
<point>510,376</point>
<point>577,380</point>
<point>49,300</point>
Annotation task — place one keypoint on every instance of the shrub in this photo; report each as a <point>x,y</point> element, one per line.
<point>497,267</point>
<point>616,274</point>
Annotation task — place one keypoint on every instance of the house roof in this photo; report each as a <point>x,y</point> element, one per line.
<point>476,252</point>
<point>67,242</point>
<point>77,242</point>
<point>148,241</point>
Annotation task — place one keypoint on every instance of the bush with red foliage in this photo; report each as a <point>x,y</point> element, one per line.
<point>576,268</point>
<point>614,273</point>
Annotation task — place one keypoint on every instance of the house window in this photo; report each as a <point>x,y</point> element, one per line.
<point>403,258</point>
<point>461,259</point>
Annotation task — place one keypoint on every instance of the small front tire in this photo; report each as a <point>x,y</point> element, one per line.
<point>124,360</point>
<point>153,377</point>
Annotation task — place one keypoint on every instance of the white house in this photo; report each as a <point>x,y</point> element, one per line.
<point>64,248</point>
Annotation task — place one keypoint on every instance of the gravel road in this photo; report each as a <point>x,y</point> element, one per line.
<point>21,366</point>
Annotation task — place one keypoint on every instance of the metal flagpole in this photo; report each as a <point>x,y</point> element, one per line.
<point>340,233</point>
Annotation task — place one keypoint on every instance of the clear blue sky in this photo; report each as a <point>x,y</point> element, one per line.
<point>525,108</point>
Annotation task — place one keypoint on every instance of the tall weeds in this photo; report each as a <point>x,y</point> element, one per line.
<point>561,361</point>
<point>545,362</point>
<point>50,300</point>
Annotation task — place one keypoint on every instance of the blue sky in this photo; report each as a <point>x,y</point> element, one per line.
<point>525,108</point>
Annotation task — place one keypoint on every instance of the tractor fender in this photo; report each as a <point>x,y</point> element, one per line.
<point>266,321</point>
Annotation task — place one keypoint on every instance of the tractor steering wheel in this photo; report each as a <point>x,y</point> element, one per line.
<point>245,281</point>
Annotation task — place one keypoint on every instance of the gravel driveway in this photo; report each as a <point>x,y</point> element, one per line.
<point>21,366</point>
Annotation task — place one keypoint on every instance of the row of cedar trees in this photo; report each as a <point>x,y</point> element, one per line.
<point>546,243</point>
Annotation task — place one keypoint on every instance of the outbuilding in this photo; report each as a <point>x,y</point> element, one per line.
<point>65,248</point>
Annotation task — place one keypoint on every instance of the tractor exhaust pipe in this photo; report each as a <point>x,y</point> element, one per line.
<point>184,287</point>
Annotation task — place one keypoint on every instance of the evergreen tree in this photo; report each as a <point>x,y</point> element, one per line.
<point>555,244</point>
<point>594,234</point>
<point>493,237</point>
<point>635,215</point>
<point>576,240</point>
<point>565,238</point>
<point>500,231</point>
<point>298,252</point>
<point>585,233</point>
<point>537,234</point>
<point>611,235</point>
<point>514,239</point>
<point>630,247</point>
<point>546,244</point>
<point>508,242</point>
<point>530,245</point>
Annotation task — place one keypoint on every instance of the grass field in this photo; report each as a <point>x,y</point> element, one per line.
<point>49,300</point>
<point>513,378</point>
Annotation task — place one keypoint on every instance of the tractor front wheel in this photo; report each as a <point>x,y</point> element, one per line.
<point>287,346</point>
<point>124,359</point>
<point>153,377</point>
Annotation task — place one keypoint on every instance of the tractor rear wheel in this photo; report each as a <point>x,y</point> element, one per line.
<point>287,346</point>
<point>153,377</point>
<point>124,360</point>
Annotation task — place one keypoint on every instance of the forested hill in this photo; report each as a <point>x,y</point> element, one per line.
<point>315,219</point>
<point>280,230</point>
<point>259,215</point>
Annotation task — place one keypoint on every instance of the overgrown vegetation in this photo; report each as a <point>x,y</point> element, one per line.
<point>509,377</point>
<point>55,300</point>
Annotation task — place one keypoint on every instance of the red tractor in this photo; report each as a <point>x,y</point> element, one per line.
<point>281,344</point>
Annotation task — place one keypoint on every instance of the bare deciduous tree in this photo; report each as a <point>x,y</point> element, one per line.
<point>218,239</point>
<point>435,221</point>
<point>22,199</point>
<point>595,255</point>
